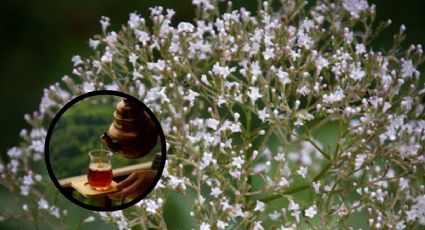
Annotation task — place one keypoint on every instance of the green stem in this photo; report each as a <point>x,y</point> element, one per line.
<point>298,188</point>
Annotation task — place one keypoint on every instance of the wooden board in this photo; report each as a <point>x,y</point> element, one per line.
<point>127,170</point>
<point>83,187</point>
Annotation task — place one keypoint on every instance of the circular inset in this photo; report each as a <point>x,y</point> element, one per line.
<point>102,150</point>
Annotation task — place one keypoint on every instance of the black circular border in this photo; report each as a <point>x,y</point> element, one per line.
<point>74,101</point>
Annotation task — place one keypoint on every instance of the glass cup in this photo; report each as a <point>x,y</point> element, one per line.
<point>100,169</point>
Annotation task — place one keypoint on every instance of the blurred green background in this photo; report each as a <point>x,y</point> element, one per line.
<point>39,37</point>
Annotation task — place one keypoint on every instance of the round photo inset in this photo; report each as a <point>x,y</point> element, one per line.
<point>105,150</point>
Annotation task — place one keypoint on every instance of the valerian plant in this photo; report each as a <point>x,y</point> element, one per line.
<point>243,99</point>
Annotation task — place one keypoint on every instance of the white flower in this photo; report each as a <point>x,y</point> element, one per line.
<point>54,211</point>
<point>93,43</point>
<point>283,76</point>
<point>316,186</point>
<point>283,182</point>
<point>311,211</point>
<point>104,22</point>
<point>257,226</point>
<point>335,96</point>
<point>268,54</point>
<point>122,224</point>
<point>204,226</point>
<point>151,206</point>
<point>400,225</point>
<point>88,87</point>
<point>280,157</point>
<point>407,69</point>
<point>134,20</point>
<point>212,123</point>
<point>175,182</point>
<point>360,48</point>
<point>107,57</point>
<point>304,90</point>
<point>207,159</point>
<point>142,36</point>
<point>304,40</point>
<point>355,7</point>
<point>215,192</point>
<point>263,115</point>
<point>358,162</point>
<point>274,215</point>
<point>14,152</point>
<point>403,183</point>
<point>222,71</point>
<point>25,190</point>
<point>222,224</point>
<point>89,219</point>
<point>42,204</point>
<point>356,72</point>
<point>254,94</point>
<point>295,210</point>
<point>302,171</point>
<point>260,206</point>
<point>132,58</point>
<point>77,60</point>
<point>185,27</point>
<point>27,179</point>
<point>321,63</point>
<point>237,161</point>
<point>191,96</point>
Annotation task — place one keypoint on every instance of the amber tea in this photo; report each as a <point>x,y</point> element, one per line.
<point>99,175</point>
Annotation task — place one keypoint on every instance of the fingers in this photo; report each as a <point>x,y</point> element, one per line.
<point>116,196</point>
<point>135,188</point>
<point>134,185</point>
<point>129,180</point>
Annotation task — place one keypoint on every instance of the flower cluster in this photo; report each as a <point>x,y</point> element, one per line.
<point>287,118</point>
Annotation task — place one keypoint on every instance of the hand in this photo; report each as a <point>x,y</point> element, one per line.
<point>134,185</point>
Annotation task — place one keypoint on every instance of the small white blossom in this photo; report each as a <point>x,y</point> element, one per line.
<point>238,161</point>
<point>42,204</point>
<point>212,123</point>
<point>151,206</point>
<point>260,206</point>
<point>310,212</point>
<point>254,94</point>
<point>204,226</point>
<point>222,225</point>
<point>274,215</point>
<point>407,69</point>
<point>224,71</point>
<point>263,115</point>
<point>355,7</point>
<point>359,161</point>
<point>215,192</point>
<point>105,22</point>
<point>335,96</point>
<point>257,226</point>
<point>302,171</point>
<point>89,219</point>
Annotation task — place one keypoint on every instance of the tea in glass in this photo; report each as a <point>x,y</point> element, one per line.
<point>100,169</point>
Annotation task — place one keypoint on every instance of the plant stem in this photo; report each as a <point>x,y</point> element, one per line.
<point>298,188</point>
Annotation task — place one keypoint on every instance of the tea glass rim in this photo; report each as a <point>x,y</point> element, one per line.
<point>95,153</point>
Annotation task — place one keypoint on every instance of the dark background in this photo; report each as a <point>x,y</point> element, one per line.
<point>39,37</point>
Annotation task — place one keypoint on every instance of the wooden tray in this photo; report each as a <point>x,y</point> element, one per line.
<point>83,187</point>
